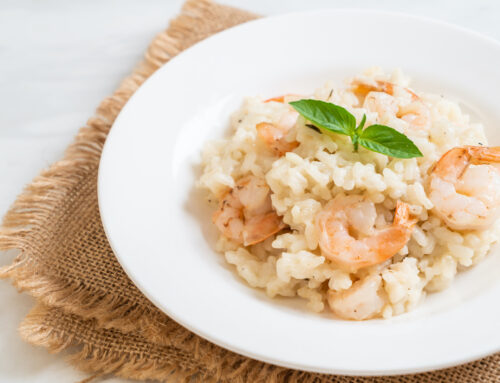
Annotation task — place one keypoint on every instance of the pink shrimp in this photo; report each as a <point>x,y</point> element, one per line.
<point>467,197</point>
<point>245,213</point>
<point>274,135</point>
<point>380,97</point>
<point>338,244</point>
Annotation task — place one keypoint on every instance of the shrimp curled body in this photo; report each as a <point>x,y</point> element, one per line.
<point>245,213</point>
<point>467,197</point>
<point>338,244</point>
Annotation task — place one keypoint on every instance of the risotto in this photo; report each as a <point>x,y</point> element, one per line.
<point>359,233</point>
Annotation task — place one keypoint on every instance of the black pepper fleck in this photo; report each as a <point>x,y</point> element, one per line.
<point>314,127</point>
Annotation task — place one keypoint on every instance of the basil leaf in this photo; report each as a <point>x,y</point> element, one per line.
<point>378,138</point>
<point>388,141</point>
<point>359,129</point>
<point>326,115</point>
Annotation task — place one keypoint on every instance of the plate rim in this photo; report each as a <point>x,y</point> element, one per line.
<point>220,35</point>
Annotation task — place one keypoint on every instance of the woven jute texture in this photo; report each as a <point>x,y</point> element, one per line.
<point>86,305</point>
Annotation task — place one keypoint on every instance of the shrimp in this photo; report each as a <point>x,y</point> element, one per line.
<point>379,97</point>
<point>363,88</point>
<point>285,98</point>
<point>345,215</point>
<point>275,135</point>
<point>381,103</point>
<point>245,213</point>
<point>276,99</point>
<point>361,301</point>
<point>417,114</point>
<point>466,197</point>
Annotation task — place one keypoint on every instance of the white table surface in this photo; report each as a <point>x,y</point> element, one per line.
<point>58,59</point>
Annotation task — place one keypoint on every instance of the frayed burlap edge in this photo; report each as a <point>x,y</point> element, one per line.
<point>42,327</point>
<point>197,359</point>
<point>136,358</point>
<point>33,206</point>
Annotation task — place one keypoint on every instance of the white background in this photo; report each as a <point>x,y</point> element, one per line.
<point>58,59</point>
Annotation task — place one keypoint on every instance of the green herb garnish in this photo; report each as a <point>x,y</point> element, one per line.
<point>377,138</point>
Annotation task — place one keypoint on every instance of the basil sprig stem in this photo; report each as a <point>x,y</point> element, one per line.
<point>377,138</point>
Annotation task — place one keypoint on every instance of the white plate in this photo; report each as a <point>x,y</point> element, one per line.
<point>159,225</point>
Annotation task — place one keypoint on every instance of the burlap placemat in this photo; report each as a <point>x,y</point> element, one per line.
<point>87,305</point>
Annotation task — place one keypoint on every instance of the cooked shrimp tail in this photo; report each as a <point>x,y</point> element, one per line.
<point>484,155</point>
<point>284,98</point>
<point>402,215</point>
<point>261,227</point>
<point>276,99</point>
<point>362,88</point>
<point>454,162</point>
